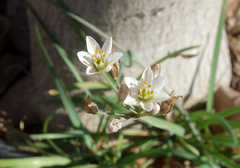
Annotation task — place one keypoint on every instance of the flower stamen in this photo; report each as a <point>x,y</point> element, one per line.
<point>97,51</point>
<point>152,92</point>
<point>150,86</point>
<point>145,82</point>
<point>95,60</point>
<point>104,56</point>
<point>102,51</point>
<point>115,123</point>
<point>94,55</point>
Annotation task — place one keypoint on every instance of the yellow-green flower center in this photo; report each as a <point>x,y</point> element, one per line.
<point>145,92</point>
<point>99,60</point>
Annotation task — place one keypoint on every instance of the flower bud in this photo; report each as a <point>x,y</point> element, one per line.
<point>167,105</point>
<point>90,106</point>
<point>113,125</point>
<point>114,72</point>
<point>123,92</point>
<point>155,110</point>
<point>156,70</point>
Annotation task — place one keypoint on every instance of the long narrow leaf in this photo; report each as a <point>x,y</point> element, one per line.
<point>88,25</point>
<point>209,104</point>
<point>67,102</point>
<point>215,118</point>
<point>222,158</point>
<point>229,112</point>
<point>55,135</point>
<point>163,124</point>
<point>174,54</point>
<point>35,161</point>
<point>60,50</point>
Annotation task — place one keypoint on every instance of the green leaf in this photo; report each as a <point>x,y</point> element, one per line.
<point>60,50</point>
<point>67,102</point>
<point>81,34</point>
<point>56,135</point>
<point>230,111</point>
<point>209,104</point>
<point>174,54</point>
<point>35,161</point>
<point>83,86</point>
<point>129,54</point>
<point>156,152</point>
<point>222,158</point>
<point>213,118</point>
<point>88,25</point>
<point>165,125</point>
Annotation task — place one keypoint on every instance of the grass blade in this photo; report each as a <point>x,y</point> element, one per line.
<point>88,25</point>
<point>163,124</point>
<point>222,158</point>
<point>83,86</point>
<point>35,161</point>
<point>67,102</point>
<point>229,112</point>
<point>60,50</point>
<point>174,54</point>
<point>209,105</point>
<point>45,126</point>
<point>215,118</point>
<point>55,135</point>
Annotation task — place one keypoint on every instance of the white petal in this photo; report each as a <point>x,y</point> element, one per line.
<point>131,100</point>
<point>107,46</point>
<point>159,83</point>
<point>148,106</point>
<point>92,45</point>
<point>160,96</point>
<point>132,84</point>
<point>147,76</point>
<point>107,69</point>
<point>155,110</point>
<point>85,58</point>
<point>91,71</point>
<point>114,57</point>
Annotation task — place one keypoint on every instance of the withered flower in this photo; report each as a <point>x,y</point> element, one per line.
<point>114,72</point>
<point>156,70</point>
<point>123,92</point>
<point>167,105</point>
<point>90,106</point>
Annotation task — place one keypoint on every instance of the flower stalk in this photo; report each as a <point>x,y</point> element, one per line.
<point>111,84</point>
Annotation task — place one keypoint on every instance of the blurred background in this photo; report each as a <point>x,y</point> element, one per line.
<point>150,29</point>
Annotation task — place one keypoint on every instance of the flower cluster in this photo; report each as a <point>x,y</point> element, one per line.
<point>147,92</point>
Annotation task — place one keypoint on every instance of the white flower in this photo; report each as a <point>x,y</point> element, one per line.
<point>155,110</point>
<point>146,91</point>
<point>98,59</point>
<point>113,125</point>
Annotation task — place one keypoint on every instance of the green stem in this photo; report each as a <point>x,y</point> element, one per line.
<point>106,113</point>
<point>118,84</point>
<point>124,122</point>
<point>114,88</point>
<point>130,108</point>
